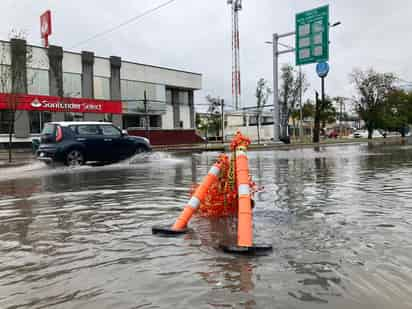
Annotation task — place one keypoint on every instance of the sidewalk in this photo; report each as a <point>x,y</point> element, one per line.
<point>20,157</point>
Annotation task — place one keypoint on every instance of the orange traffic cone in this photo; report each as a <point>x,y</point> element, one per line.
<point>245,216</point>
<point>180,226</point>
<point>245,245</point>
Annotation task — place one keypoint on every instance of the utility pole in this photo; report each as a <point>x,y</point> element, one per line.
<point>340,118</point>
<point>236,6</point>
<point>146,122</point>
<point>300,105</point>
<point>276,107</point>
<point>316,130</point>
<point>222,105</point>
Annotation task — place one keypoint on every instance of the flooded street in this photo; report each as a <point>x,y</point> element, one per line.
<point>339,220</point>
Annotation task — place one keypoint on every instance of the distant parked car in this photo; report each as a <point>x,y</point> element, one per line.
<point>333,134</point>
<point>365,134</point>
<point>76,143</point>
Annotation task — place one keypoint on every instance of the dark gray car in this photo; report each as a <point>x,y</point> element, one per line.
<point>76,143</point>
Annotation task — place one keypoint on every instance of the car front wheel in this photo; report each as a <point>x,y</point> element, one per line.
<point>74,158</point>
<point>141,149</point>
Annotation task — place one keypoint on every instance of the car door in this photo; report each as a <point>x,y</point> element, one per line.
<point>93,141</point>
<point>120,146</point>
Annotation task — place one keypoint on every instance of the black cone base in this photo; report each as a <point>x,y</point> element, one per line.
<point>168,231</point>
<point>255,250</point>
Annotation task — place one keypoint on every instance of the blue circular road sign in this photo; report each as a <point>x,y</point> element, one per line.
<point>322,68</point>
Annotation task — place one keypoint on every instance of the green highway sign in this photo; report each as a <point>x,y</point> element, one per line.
<point>312,36</point>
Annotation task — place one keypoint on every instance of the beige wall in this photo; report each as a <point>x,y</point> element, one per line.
<point>144,73</point>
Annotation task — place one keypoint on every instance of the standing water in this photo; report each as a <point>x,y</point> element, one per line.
<point>339,220</point>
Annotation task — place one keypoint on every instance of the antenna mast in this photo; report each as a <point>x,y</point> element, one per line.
<point>236,6</point>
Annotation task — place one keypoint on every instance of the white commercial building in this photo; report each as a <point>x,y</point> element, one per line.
<point>56,85</point>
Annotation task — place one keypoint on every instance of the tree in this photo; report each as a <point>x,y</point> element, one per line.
<point>13,80</point>
<point>372,88</point>
<point>213,119</point>
<point>293,85</point>
<point>262,93</point>
<point>325,113</point>
<point>397,111</point>
<point>308,110</point>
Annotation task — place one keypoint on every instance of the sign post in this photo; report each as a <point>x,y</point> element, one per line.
<point>312,46</point>
<point>45,27</point>
<point>312,36</point>
<point>322,68</point>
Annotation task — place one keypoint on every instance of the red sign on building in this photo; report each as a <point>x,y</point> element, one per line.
<point>56,104</point>
<point>45,27</point>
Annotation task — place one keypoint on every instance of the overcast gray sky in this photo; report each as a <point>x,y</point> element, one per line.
<point>195,35</point>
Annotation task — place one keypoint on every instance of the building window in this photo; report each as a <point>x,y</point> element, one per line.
<point>108,117</point>
<point>267,120</point>
<point>132,121</point>
<point>252,121</point>
<point>69,116</point>
<point>5,79</point>
<point>169,97</point>
<point>133,94</point>
<point>37,121</point>
<point>139,121</point>
<point>72,85</point>
<point>156,121</point>
<point>101,88</point>
<point>5,117</point>
<point>38,81</point>
<point>183,97</point>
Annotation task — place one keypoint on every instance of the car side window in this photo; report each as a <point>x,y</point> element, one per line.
<point>110,131</point>
<point>88,130</point>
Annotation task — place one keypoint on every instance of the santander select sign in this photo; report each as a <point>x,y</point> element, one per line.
<point>66,106</point>
<point>56,104</point>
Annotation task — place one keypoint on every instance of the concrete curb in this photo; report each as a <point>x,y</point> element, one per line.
<point>14,164</point>
<point>280,146</point>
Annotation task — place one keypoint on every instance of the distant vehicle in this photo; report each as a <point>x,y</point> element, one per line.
<point>76,143</point>
<point>333,134</point>
<point>365,134</point>
<point>392,134</point>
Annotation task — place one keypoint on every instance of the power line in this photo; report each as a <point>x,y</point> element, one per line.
<point>133,19</point>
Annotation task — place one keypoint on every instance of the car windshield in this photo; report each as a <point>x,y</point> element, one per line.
<point>48,129</point>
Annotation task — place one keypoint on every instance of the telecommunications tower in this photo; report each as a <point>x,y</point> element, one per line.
<point>236,6</point>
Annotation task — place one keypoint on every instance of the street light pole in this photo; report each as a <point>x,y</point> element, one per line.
<point>276,107</point>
